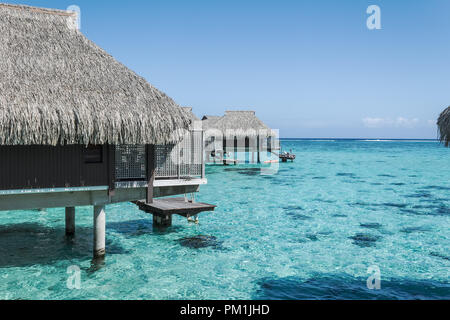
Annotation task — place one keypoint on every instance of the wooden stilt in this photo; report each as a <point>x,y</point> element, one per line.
<point>162,221</point>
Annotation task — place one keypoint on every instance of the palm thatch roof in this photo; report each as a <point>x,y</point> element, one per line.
<point>239,124</point>
<point>190,114</point>
<point>444,126</point>
<point>58,87</point>
<point>208,121</point>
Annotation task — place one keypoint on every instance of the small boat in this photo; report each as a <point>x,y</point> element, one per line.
<point>285,156</point>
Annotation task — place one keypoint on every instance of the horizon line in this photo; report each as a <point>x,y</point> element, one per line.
<point>328,138</point>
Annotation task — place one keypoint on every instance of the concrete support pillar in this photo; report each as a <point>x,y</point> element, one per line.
<point>162,221</point>
<point>70,221</point>
<point>99,231</point>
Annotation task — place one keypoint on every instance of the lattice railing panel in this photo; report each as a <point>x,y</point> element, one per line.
<point>131,162</point>
<point>180,161</point>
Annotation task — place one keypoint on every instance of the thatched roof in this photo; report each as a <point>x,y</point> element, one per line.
<point>208,122</point>
<point>239,124</point>
<point>57,87</point>
<point>444,126</point>
<point>190,114</point>
<point>211,117</point>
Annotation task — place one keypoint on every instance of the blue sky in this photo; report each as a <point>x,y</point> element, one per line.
<point>308,68</point>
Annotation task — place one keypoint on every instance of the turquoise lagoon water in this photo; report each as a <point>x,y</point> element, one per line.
<point>310,231</point>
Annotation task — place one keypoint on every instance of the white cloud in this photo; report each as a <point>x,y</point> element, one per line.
<point>399,122</point>
<point>406,123</point>
<point>375,122</point>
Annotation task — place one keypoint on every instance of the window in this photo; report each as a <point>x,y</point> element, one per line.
<point>93,154</point>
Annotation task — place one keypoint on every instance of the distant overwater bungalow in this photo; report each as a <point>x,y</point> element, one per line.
<point>78,128</point>
<point>444,126</point>
<point>238,137</point>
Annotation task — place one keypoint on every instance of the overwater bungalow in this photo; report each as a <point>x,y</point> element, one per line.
<point>444,126</point>
<point>238,136</point>
<point>78,128</point>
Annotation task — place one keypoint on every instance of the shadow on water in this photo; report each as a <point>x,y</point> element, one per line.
<point>245,171</point>
<point>296,212</point>
<point>293,208</point>
<point>348,175</point>
<point>200,241</point>
<point>439,255</point>
<point>137,228</point>
<point>437,209</point>
<point>348,288</point>
<point>318,235</point>
<point>420,195</point>
<point>434,210</point>
<point>364,240</point>
<point>439,188</point>
<point>324,200</point>
<point>416,229</point>
<point>386,176</point>
<point>387,204</point>
<point>371,225</point>
<point>34,244</point>
<point>298,216</point>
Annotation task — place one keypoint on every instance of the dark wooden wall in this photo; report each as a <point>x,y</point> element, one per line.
<point>39,167</point>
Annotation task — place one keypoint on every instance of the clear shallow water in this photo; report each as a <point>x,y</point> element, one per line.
<point>308,232</point>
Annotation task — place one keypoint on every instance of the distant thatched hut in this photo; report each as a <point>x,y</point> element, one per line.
<point>76,126</point>
<point>444,126</point>
<point>208,121</point>
<point>237,131</point>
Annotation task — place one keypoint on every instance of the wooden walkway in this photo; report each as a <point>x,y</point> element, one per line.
<point>171,206</point>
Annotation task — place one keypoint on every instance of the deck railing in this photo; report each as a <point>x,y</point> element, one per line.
<point>182,161</point>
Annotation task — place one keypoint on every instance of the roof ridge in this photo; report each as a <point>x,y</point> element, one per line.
<point>58,12</point>
<point>243,111</point>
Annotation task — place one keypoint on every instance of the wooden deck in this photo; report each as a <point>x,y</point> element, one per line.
<point>171,206</point>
